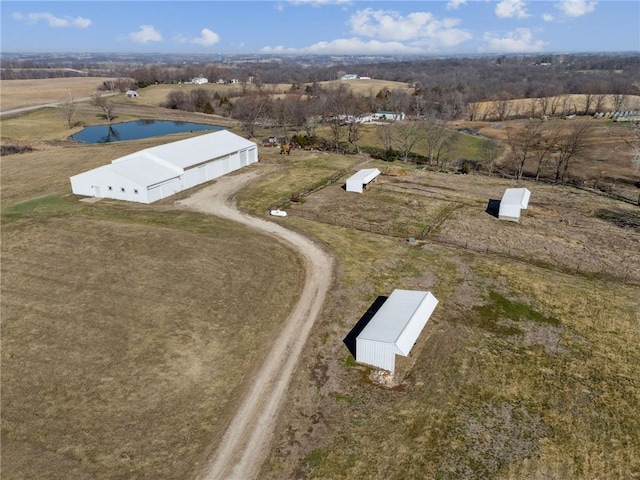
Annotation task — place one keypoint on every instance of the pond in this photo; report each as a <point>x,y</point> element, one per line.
<point>137,129</point>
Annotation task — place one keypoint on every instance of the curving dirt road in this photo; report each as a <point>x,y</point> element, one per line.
<point>245,444</point>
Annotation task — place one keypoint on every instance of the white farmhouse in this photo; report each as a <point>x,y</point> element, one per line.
<point>159,172</point>
<point>513,200</point>
<point>395,328</point>
<point>200,80</point>
<point>361,179</point>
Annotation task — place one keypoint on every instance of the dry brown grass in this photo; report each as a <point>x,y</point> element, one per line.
<point>124,348</point>
<point>123,341</point>
<point>488,392</point>
<point>25,93</point>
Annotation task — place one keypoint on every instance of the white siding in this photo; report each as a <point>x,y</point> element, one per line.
<point>394,328</point>
<point>376,354</point>
<point>358,180</point>
<point>162,171</point>
<point>513,200</point>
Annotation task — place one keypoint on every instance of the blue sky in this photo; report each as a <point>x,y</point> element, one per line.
<point>322,26</point>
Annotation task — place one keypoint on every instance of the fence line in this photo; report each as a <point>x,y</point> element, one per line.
<point>557,264</point>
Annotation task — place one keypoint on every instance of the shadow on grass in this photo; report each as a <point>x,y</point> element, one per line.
<point>350,339</point>
<point>493,208</point>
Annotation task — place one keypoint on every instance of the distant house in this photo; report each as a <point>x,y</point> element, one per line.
<point>360,180</point>
<point>395,328</point>
<point>131,94</point>
<point>513,200</point>
<point>384,115</point>
<point>200,81</point>
<point>349,76</point>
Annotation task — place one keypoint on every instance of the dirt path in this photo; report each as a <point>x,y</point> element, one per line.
<point>245,444</point>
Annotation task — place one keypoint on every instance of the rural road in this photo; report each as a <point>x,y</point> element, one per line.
<point>245,444</point>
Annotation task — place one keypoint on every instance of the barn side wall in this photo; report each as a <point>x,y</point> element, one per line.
<point>375,353</point>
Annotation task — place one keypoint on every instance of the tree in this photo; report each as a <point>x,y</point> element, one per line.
<point>406,136</point>
<point>68,108</point>
<point>436,139</point>
<point>571,142</point>
<point>107,107</point>
<point>249,110</point>
<point>521,144</point>
<point>489,152</point>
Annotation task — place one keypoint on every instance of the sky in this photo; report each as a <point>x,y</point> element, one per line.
<point>338,27</point>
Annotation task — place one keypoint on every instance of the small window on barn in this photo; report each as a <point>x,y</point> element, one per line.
<point>135,190</point>
<point>122,189</point>
<point>110,188</point>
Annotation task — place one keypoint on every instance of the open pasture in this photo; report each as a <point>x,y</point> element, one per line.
<point>126,341</point>
<point>125,338</point>
<point>25,93</point>
<point>571,229</point>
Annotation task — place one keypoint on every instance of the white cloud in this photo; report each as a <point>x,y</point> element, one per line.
<point>519,41</point>
<point>547,17</point>
<point>419,27</point>
<point>576,8</point>
<point>146,34</point>
<point>206,38</point>
<point>52,20</point>
<point>349,46</point>
<point>511,9</point>
<point>454,4</point>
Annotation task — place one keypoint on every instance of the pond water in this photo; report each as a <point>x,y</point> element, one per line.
<point>137,129</point>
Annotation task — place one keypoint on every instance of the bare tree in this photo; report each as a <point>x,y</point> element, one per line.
<point>473,111</point>
<point>619,102</point>
<point>406,136</point>
<point>385,133</point>
<point>107,107</point>
<point>436,139</point>
<point>249,110</point>
<point>571,142</point>
<point>521,144</point>
<point>490,151</point>
<point>68,108</point>
<point>502,107</point>
<point>544,150</point>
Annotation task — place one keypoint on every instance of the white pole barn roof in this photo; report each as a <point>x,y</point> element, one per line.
<point>159,172</point>
<point>395,328</point>
<point>358,180</point>
<point>513,200</point>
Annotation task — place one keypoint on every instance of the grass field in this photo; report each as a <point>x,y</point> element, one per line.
<point>128,331</point>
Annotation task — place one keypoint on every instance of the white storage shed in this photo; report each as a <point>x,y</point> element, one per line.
<point>159,172</point>
<point>395,328</point>
<point>359,180</point>
<point>513,200</point>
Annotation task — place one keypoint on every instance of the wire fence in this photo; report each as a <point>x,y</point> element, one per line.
<point>427,235</point>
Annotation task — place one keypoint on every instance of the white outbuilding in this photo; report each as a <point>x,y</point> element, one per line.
<point>159,172</point>
<point>513,200</point>
<point>395,328</point>
<point>359,180</point>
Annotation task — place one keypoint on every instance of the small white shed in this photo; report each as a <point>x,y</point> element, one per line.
<point>149,175</point>
<point>358,181</point>
<point>513,200</point>
<point>395,328</point>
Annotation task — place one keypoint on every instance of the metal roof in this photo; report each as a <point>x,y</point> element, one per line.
<point>400,319</point>
<point>193,151</point>
<point>144,169</point>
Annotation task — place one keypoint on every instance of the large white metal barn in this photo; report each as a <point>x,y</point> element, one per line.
<point>513,200</point>
<point>159,172</point>
<point>395,328</point>
<point>360,179</point>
